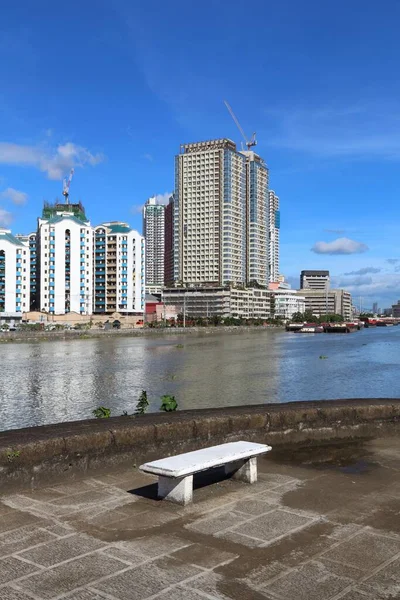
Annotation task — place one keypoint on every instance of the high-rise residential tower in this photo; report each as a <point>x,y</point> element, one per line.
<point>14,274</point>
<point>274,224</point>
<point>220,215</point>
<point>119,269</point>
<point>154,234</point>
<point>64,263</point>
<point>169,243</point>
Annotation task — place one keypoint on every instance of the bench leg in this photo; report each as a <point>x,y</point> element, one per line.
<point>178,490</point>
<point>243,470</point>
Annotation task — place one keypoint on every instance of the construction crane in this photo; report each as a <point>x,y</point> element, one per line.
<point>252,141</point>
<point>66,184</point>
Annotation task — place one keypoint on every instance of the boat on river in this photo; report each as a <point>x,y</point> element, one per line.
<point>340,327</point>
<point>311,328</point>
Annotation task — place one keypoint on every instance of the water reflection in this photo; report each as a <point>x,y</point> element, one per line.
<point>65,380</point>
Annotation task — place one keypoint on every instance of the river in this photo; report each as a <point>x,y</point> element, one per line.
<point>48,382</point>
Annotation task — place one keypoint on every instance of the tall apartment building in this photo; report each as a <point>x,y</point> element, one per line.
<point>169,243</point>
<point>30,240</point>
<point>118,269</point>
<point>314,280</point>
<point>257,224</point>
<point>220,215</point>
<point>154,234</point>
<point>14,274</point>
<point>274,222</point>
<point>64,260</point>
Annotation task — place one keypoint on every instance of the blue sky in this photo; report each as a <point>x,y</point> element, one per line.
<point>112,87</point>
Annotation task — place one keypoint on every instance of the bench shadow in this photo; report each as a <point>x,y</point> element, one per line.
<point>200,480</point>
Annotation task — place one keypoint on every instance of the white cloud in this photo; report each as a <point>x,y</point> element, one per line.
<point>163,198</point>
<point>15,196</point>
<point>55,163</point>
<point>339,246</point>
<point>5,218</point>
<point>365,271</point>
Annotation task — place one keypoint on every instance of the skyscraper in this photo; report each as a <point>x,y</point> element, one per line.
<point>154,234</point>
<point>220,215</point>
<point>64,260</point>
<point>169,243</point>
<point>274,222</point>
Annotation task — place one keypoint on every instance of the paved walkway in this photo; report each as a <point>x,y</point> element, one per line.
<point>318,525</point>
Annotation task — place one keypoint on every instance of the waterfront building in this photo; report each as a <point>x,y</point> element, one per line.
<point>14,275</point>
<point>64,266</point>
<point>169,243</point>
<point>227,301</point>
<point>287,302</point>
<point>396,310</point>
<point>221,215</point>
<point>154,234</point>
<point>334,301</point>
<point>314,280</point>
<point>118,269</point>
<point>375,308</point>
<point>30,240</point>
<point>274,225</point>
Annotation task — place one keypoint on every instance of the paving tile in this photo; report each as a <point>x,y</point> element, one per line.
<point>9,593</point>
<point>204,556</point>
<point>340,569</point>
<point>217,522</point>
<point>22,538</point>
<point>273,525</point>
<point>355,595</point>
<point>11,568</point>
<point>237,538</point>
<point>341,532</point>
<point>83,499</point>
<point>252,507</point>
<point>154,546</point>
<point>129,557</point>
<point>84,595</point>
<point>147,580</point>
<point>146,520</point>
<point>74,574</point>
<point>310,582</point>
<point>60,529</point>
<point>60,550</point>
<point>386,580</point>
<point>365,551</point>
<point>180,593</point>
<point>210,584</point>
<point>16,519</point>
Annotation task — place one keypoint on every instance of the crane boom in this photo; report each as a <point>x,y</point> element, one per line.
<point>66,184</point>
<point>252,141</point>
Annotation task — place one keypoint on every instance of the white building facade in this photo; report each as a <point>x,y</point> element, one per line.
<point>287,303</point>
<point>64,264</point>
<point>118,269</point>
<point>154,234</point>
<point>14,275</point>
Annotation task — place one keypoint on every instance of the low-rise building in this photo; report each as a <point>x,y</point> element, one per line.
<point>335,302</point>
<point>245,303</point>
<point>396,310</point>
<point>14,276</point>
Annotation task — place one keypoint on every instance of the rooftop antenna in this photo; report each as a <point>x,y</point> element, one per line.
<point>252,141</point>
<point>66,184</point>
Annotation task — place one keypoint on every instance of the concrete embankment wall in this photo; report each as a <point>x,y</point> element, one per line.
<point>41,455</point>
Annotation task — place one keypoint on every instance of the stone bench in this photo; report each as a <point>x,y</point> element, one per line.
<point>175,473</point>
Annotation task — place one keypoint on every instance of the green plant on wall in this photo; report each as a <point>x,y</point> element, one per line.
<point>142,404</point>
<point>102,412</point>
<point>168,403</point>
<point>12,454</point>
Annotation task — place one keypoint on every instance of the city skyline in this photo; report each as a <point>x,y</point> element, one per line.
<point>328,131</point>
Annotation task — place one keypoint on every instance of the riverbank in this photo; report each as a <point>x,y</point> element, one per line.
<point>72,334</point>
<point>35,455</point>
